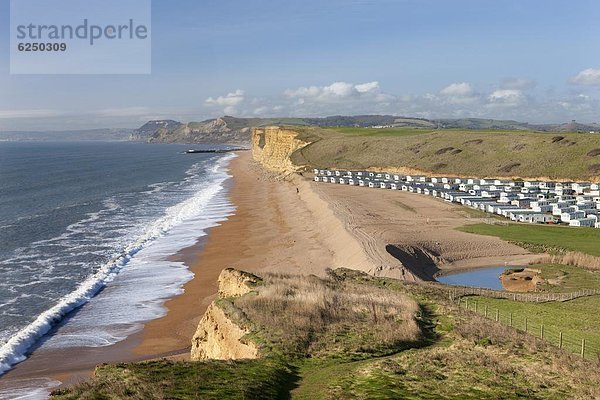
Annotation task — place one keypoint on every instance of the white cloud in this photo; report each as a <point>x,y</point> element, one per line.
<point>367,87</point>
<point>341,89</point>
<point>590,76</point>
<point>457,89</point>
<point>311,91</point>
<point>229,100</point>
<point>457,93</point>
<point>230,110</point>
<point>506,97</point>
<point>335,91</point>
<point>260,110</point>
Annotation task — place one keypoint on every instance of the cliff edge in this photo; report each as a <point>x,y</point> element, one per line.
<point>274,147</point>
<point>220,334</point>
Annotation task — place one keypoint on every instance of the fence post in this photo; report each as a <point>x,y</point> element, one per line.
<point>583,348</point>
<point>485,311</point>
<point>560,340</point>
<point>525,324</point>
<point>510,324</point>
<point>497,315</point>
<point>466,303</point>
<point>542,331</point>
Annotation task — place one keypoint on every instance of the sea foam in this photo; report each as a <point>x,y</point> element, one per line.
<point>136,282</point>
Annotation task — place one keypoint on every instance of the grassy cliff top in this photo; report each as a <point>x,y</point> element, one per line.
<point>351,336</point>
<point>479,153</point>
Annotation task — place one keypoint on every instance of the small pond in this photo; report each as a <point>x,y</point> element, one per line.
<point>488,278</point>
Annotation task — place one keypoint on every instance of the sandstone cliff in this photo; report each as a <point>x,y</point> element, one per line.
<point>274,146</point>
<point>234,283</point>
<point>219,335</point>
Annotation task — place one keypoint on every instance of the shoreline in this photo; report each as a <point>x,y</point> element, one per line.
<point>70,365</point>
<point>288,225</point>
<point>268,211</point>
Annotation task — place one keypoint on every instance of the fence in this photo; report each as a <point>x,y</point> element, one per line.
<point>550,334</point>
<point>460,291</point>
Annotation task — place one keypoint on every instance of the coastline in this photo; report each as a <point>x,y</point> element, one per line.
<point>71,364</point>
<point>288,225</point>
<point>273,229</point>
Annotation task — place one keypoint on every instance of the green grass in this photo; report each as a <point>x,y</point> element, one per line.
<point>543,237</point>
<point>395,132</point>
<point>435,373</point>
<point>455,152</point>
<point>244,379</point>
<point>459,356</point>
<point>566,278</point>
<point>577,319</point>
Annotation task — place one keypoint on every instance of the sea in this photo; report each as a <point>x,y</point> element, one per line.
<point>91,227</point>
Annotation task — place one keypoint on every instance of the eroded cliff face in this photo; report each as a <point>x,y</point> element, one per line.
<point>219,336</point>
<point>273,146</point>
<point>234,283</point>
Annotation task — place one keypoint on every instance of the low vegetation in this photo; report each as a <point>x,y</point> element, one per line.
<point>573,318</point>
<point>543,238</point>
<point>479,153</point>
<point>242,379</point>
<point>567,278</point>
<point>304,316</point>
<point>372,132</point>
<point>353,336</point>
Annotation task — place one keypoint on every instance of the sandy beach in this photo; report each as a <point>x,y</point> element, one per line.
<point>273,229</point>
<point>294,225</point>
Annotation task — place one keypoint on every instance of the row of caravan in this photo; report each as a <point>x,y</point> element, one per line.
<point>572,203</point>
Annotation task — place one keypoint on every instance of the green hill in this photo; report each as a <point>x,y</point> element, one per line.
<point>491,153</point>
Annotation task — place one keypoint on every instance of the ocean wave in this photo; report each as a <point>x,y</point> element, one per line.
<point>15,349</point>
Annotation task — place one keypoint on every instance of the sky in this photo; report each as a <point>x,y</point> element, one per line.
<point>533,61</point>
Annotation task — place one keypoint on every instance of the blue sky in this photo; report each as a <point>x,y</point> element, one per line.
<point>536,61</point>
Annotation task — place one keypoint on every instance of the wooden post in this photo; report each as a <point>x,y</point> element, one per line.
<point>542,331</point>
<point>510,323</point>
<point>476,307</point>
<point>485,311</point>
<point>560,340</point>
<point>466,303</point>
<point>497,315</point>
<point>525,324</point>
<point>583,348</point>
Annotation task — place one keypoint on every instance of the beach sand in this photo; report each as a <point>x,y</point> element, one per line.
<point>273,229</point>
<point>297,226</point>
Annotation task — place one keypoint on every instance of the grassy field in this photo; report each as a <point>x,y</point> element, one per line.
<point>339,339</point>
<point>457,152</point>
<point>244,379</point>
<point>574,318</point>
<point>543,237</point>
<point>372,132</point>
<point>410,131</point>
<point>566,278</point>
